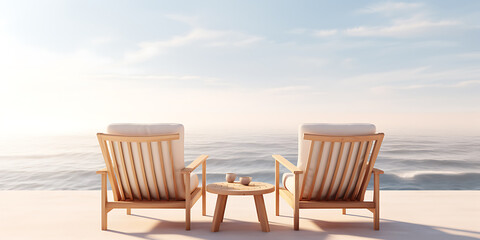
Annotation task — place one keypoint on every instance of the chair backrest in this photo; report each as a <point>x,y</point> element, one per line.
<point>144,161</point>
<point>337,160</point>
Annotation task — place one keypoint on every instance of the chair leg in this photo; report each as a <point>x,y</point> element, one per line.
<point>129,211</point>
<point>344,211</point>
<point>296,220</point>
<point>186,178</point>
<point>376,200</point>
<point>104,202</point>
<point>277,188</point>
<point>187,219</point>
<point>277,204</point>
<point>296,213</point>
<point>204,183</point>
<point>204,204</point>
<point>104,219</point>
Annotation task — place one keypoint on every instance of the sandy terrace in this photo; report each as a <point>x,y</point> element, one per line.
<point>76,215</point>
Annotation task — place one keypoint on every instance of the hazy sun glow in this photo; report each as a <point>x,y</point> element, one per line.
<point>75,67</point>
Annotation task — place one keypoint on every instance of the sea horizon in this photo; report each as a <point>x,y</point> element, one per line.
<point>410,162</point>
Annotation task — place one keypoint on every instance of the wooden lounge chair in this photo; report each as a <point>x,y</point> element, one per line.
<point>146,169</point>
<point>335,163</point>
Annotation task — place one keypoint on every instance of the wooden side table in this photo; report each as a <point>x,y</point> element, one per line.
<point>224,189</point>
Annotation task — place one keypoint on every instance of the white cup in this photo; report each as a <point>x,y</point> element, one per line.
<point>245,180</point>
<point>230,177</point>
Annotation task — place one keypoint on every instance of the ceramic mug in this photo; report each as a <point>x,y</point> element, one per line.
<point>245,180</point>
<point>230,177</point>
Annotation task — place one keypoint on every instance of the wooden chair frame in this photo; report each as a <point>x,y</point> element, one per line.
<point>356,200</point>
<point>119,194</point>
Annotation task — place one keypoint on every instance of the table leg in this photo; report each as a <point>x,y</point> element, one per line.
<point>219,212</point>
<point>224,205</point>
<point>258,210</point>
<point>261,212</point>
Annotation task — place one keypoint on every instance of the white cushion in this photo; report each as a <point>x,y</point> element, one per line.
<point>288,180</point>
<point>177,153</point>
<point>354,129</point>
<point>133,129</point>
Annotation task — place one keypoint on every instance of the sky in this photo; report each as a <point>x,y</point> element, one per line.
<point>409,67</point>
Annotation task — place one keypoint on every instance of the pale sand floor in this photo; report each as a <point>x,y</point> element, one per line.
<point>76,215</point>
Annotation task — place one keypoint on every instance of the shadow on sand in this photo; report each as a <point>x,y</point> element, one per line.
<point>234,229</point>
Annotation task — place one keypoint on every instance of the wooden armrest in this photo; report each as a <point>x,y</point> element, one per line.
<point>377,171</point>
<point>102,171</point>
<point>201,159</point>
<point>294,169</point>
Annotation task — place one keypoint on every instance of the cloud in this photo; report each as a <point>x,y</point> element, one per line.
<point>462,84</point>
<point>390,7</point>
<point>442,85</point>
<point>388,76</point>
<point>401,28</point>
<point>298,31</point>
<point>148,78</point>
<point>325,33</point>
<point>418,78</point>
<point>425,74</point>
<point>411,21</point>
<point>145,77</point>
<point>204,37</point>
<point>319,33</point>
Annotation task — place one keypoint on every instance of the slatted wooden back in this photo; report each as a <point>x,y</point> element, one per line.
<point>339,167</point>
<point>141,167</point>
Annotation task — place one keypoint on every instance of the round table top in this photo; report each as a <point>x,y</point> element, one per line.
<point>236,188</point>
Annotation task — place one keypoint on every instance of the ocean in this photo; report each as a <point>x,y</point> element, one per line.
<point>409,162</point>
